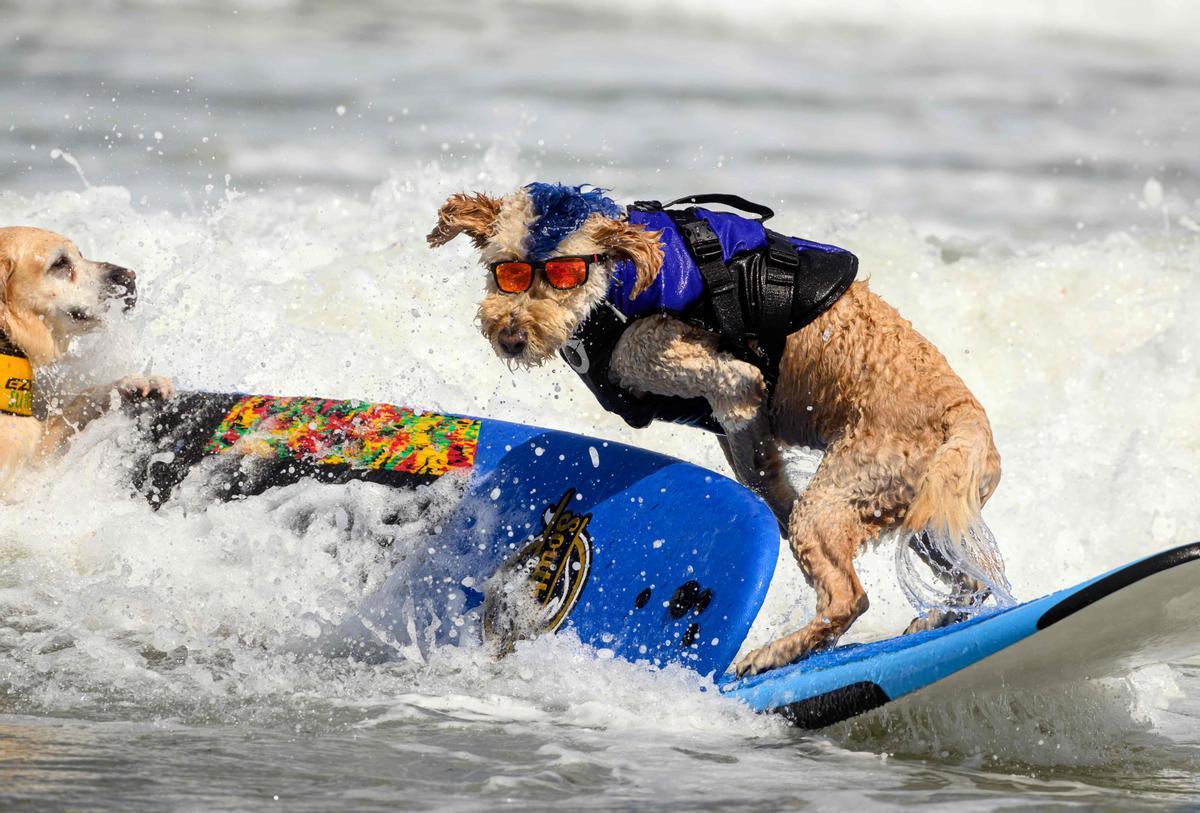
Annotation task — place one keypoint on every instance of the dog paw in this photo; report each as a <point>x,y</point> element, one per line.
<point>765,658</point>
<point>735,418</point>
<point>737,415</point>
<point>934,619</point>
<point>137,386</point>
<point>739,394</point>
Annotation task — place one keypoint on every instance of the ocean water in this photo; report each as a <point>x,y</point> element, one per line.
<point>1022,182</point>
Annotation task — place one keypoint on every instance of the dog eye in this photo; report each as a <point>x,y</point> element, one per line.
<point>61,267</point>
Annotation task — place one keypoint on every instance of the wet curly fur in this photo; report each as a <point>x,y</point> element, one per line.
<point>908,450</point>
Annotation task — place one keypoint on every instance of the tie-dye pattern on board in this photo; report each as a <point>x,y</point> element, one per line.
<point>353,433</point>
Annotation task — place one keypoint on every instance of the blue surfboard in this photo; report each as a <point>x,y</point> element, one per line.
<point>648,557</point>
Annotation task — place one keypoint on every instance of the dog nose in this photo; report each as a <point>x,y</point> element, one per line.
<point>121,283</point>
<point>513,341</point>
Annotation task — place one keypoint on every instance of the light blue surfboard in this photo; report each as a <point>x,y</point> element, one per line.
<point>1133,616</point>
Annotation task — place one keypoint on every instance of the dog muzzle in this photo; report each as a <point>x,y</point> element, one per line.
<point>122,284</point>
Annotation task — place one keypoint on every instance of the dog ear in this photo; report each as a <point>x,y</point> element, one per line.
<point>474,214</point>
<point>7,266</point>
<point>630,241</point>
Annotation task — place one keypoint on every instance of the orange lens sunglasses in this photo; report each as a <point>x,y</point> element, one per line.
<point>563,273</point>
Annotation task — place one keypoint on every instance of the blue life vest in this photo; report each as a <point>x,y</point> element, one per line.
<point>679,284</point>
<point>724,273</point>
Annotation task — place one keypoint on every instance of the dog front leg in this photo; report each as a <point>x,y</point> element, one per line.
<point>96,401</point>
<point>665,356</point>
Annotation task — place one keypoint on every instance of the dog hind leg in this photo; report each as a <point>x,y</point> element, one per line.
<point>825,532</point>
<point>947,531</point>
<point>966,596</point>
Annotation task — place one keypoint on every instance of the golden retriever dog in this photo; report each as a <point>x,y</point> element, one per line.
<point>50,295</point>
<point>908,454</point>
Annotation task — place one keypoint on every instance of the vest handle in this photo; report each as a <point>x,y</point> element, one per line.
<point>734,201</point>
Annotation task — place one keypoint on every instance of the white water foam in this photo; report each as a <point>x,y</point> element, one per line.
<point>782,19</point>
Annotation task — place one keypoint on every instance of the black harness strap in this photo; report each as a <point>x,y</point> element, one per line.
<point>718,278</point>
<point>778,288</point>
<point>737,292</point>
<point>759,298</point>
<point>764,213</point>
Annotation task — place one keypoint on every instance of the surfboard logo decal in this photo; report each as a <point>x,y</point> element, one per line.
<point>535,590</point>
<point>563,552</point>
<point>357,434</point>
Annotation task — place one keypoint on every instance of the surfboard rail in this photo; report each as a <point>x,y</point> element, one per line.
<point>849,680</point>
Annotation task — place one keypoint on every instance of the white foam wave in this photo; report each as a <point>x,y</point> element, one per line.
<point>1098,723</point>
<point>1164,21</point>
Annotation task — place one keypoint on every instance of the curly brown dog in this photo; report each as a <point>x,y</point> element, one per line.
<point>49,294</point>
<point>908,450</point>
